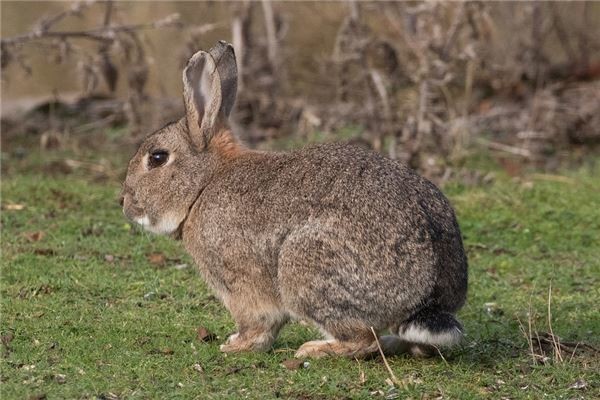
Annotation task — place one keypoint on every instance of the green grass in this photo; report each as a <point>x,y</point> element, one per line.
<point>86,302</point>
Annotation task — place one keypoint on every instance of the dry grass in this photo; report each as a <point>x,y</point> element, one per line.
<point>546,347</point>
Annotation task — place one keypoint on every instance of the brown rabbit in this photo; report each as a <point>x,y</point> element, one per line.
<point>332,234</point>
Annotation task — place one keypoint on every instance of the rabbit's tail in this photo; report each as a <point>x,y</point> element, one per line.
<point>431,327</point>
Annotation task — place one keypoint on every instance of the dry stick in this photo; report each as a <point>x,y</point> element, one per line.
<point>75,9</point>
<point>506,148</point>
<point>583,40</point>
<point>561,33</point>
<point>239,42</point>
<point>554,178</point>
<point>271,34</point>
<point>392,376</point>
<point>91,35</point>
<point>557,351</point>
<point>573,353</point>
<point>108,12</point>
<point>380,89</point>
<point>537,41</point>
<point>360,372</point>
<point>440,353</point>
<point>469,79</point>
<point>529,337</point>
<point>354,10</point>
<point>537,336</point>
<point>422,110</point>
<point>457,22</point>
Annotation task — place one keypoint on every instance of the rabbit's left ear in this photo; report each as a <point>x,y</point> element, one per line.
<point>209,89</point>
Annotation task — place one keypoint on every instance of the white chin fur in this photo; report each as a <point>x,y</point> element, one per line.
<point>168,224</point>
<point>143,221</point>
<point>416,334</point>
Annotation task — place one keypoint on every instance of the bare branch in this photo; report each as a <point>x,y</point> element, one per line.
<point>105,33</point>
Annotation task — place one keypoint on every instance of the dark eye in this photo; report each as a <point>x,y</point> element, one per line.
<point>157,158</point>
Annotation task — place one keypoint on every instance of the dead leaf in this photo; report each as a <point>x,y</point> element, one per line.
<point>293,364</point>
<point>39,396</point>
<point>233,370</point>
<point>28,292</point>
<point>165,351</point>
<point>59,167</point>
<point>204,335</point>
<point>13,207</point>
<point>6,339</point>
<point>34,236</point>
<point>109,258</point>
<point>93,230</point>
<point>157,259</point>
<point>44,252</point>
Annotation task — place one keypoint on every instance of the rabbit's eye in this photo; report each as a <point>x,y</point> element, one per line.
<point>157,158</point>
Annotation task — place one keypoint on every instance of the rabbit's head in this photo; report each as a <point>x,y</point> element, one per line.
<point>174,164</point>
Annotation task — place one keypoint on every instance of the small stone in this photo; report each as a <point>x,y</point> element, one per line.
<point>60,378</point>
<point>149,296</point>
<point>198,367</point>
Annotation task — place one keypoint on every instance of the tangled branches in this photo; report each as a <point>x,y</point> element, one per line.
<point>112,44</point>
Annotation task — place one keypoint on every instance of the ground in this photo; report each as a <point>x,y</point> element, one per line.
<point>94,308</point>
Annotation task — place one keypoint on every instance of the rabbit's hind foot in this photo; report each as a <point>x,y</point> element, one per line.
<point>322,348</point>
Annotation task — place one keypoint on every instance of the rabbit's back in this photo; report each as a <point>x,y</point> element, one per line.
<point>335,220</point>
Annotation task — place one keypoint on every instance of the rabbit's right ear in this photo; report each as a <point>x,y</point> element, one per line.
<point>209,89</point>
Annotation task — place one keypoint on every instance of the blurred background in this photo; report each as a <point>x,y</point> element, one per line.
<point>438,85</point>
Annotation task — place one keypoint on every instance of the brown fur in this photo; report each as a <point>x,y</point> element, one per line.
<point>333,234</point>
<point>226,145</point>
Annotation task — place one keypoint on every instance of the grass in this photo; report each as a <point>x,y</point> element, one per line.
<point>93,308</point>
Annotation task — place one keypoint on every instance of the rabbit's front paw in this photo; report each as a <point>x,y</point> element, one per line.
<point>232,338</point>
<point>230,344</point>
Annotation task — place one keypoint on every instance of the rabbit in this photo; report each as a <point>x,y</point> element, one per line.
<point>332,234</point>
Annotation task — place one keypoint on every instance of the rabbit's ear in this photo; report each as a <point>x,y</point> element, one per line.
<point>224,56</point>
<point>209,88</point>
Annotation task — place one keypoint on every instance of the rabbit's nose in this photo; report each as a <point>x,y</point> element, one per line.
<point>121,200</point>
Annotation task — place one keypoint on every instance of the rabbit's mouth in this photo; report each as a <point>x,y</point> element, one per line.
<point>165,225</point>
<point>160,224</point>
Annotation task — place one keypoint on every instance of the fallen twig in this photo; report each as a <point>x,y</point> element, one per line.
<point>557,351</point>
<point>387,366</point>
<point>506,148</point>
